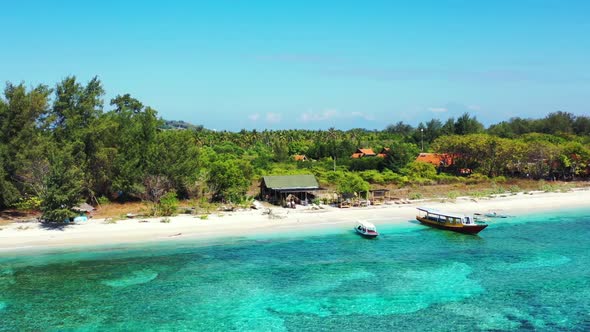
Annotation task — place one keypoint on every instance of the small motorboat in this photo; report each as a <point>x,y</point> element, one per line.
<point>366,229</point>
<point>490,214</point>
<point>494,214</point>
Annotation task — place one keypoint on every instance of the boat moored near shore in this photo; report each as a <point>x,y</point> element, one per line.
<point>366,229</point>
<point>450,221</point>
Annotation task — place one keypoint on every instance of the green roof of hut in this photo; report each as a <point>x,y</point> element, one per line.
<point>291,182</point>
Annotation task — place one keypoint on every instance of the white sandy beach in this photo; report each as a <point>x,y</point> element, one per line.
<point>31,235</point>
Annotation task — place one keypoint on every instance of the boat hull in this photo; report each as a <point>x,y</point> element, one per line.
<point>464,229</point>
<point>367,235</point>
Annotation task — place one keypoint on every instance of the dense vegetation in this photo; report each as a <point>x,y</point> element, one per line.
<point>59,146</point>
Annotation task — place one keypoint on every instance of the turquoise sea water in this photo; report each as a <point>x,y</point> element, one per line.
<point>524,273</point>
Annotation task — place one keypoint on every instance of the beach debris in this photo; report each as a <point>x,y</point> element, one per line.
<point>272,214</point>
<point>256,205</point>
<point>131,215</point>
<point>84,207</point>
<point>80,218</point>
<point>316,206</point>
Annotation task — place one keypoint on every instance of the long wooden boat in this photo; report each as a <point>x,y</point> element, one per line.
<point>450,221</point>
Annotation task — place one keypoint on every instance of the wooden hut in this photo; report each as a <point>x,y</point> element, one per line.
<point>300,188</point>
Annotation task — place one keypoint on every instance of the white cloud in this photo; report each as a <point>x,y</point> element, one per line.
<point>254,117</point>
<point>311,116</point>
<point>273,117</point>
<point>437,109</point>
<point>332,114</point>
<point>367,117</point>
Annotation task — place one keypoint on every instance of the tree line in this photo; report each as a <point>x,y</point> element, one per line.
<point>62,145</point>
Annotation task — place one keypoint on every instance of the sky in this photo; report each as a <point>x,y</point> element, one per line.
<point>231,65</point>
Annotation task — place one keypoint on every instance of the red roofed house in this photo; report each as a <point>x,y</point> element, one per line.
<point>299,157</point>
<point>437,159</point>
<point>360,153</point>
<point>441,160</point>
<point>383,152</point>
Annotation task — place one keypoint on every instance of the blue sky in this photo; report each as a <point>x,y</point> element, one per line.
<point>236,64</point>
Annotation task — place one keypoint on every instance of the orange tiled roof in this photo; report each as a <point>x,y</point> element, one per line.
<point>299,157</point>
<point>383,152</point>
<point>367,152</point>
<point>435,158</point>
<point>356,155</point>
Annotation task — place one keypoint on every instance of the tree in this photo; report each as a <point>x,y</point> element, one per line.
<point>75,121</point>
<point>351,183</point>
<point>8,193</point>
<point>400,128</point>
<point>136,134</point>
<point>468,125</point>
<point>582,126</point>
<point>419,170</point>
<point>175,156</point>
<point>558,123</point>
<point>280,150</point>
<point>229,179</point>
<point>399,155</point>
<point>433,130</point>
<point>22,139</point>
<point>449,127</point>
<point>126,103</point>
<point>573,160</point>
<point>63,186</point>
<point>540,155</point>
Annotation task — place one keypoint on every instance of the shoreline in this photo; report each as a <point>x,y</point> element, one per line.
<point>28,237</point>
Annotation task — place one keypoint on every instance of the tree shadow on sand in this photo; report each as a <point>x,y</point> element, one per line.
<point>55,226</point>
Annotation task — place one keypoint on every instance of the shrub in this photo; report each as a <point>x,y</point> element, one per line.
<point>419,170</point>
<point>29,203</point>
<point>373,176</point>
<point>546,187</point>
<point>500,179</point>
<point>414,196</point>
<point>514,189</point>
<point>477,178</point>
<point>165,220</point>
<point>352,183</point>
<point>204,217</point>
<point>452,194</point>
<point>168,204</point>
<point>103,200</point>
<point>447,179</point>
<point>391,177</point>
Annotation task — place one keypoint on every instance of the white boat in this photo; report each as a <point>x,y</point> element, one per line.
<point>366,229</point>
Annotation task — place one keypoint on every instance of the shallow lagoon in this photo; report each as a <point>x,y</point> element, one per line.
<point>525,273</point>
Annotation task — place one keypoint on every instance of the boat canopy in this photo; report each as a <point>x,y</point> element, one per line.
<point>366,224</point>
<point>439,213</point>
